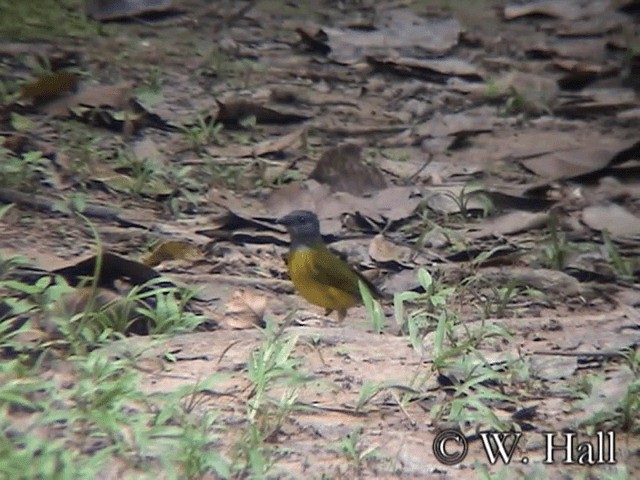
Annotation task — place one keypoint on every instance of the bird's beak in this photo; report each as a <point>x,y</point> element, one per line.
<point>286,220</point>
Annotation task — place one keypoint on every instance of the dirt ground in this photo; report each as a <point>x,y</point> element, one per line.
<point>494,145</point>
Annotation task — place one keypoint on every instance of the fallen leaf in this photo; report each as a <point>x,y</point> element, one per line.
<point>568,163</point>
<point>50,86</point>
<point>111,96</point>
<point>534,94</point>
<point>397,30</point>
<point>577,163</point>
<point>567,10</point>
<point>316,42</point>
<point>153,187</point>
<point>103,10</point>
<point>115,307</point>
<point>306,195</point>
<point>342,169</point>
<point>232,113</point>
<point>382,250</point>
<point>511,223</point>
<point>435,70</point>
<point>172,250</point>
<point>244,310</point>
<point>112,267</point>
<point>273,145</point>
<point>597,102</point>
<point>614,218</point>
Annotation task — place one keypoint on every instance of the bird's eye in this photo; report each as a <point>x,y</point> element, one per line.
<point>302,219</point>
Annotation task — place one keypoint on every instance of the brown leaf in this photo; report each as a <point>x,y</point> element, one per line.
<point>535,94</point>
<point>244,310</point>
<point>108,106</point>
<point>304,195</point>
<point>343,169</point>
<point>568,163</point>
<point>15,143</point>
<point>111,304</point>
<point>398,30</point>
<point>382,250</point>
<point>172,250</point>
<point>316,42</point>
<point>111,96</point>
<point>617,220</point>
<point>436,70</point>
<point>510,223</point>
<point>265,147</point>
<point>232,112</point>
<point>118,9</point>
<point>551,8</point>
<point>112,267</point>
<point>597,102</point>
<point>50,86</point>
<point>584,162</point>
<point>388,204</point>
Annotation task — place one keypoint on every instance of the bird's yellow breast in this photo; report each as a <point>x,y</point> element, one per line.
<point>323,279</point>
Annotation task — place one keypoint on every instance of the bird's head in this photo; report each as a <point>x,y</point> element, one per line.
<point>303,226</point>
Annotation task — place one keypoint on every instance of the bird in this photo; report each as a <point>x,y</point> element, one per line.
<point>319,275</point>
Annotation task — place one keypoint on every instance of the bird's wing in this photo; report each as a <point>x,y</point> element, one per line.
<point>329,269</point>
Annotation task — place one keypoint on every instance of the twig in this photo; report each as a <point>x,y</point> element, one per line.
<point>609,354</point>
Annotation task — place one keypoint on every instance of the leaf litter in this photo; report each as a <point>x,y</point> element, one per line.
<point>500,163</point>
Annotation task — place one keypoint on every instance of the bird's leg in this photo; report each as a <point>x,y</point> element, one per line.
<point>327,311</point>
<point>341,314</point>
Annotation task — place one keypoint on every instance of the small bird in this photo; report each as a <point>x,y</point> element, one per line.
<point>320,276</point>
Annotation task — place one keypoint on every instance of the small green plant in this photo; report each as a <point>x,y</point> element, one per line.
<point>625,415</point>
<point>168,310</point>
<point>432,309</point>
<point>493,300</point>
<point>143,172</point>
<point>25,173</point>
<point>621,266</point>
<point>230,176</point>
<point>471,395</point>
<point>557,249</point>
<point>374,310</point>
<point>461,200</point>
<point>202,133</point>
<point>350,446</point>
<point>271,366</point>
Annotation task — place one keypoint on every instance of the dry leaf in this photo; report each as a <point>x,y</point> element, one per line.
<point>616,219</point>
<point>50,86</point>
<point>567,10</point>
<point>109,303</point>
<point>598,102</point>
<point>306,195</point>
<point>172,250</point>
<point>244,310</point>
<point>111,96</point>
<point>272,145</point>
<point>511,223</point>
<point>343,169</point>
<point>382,250</point>
<point>436,70</point>
<point>112,267</point>
<point>398,30</point>
<point>117,9</point>
<point>232,113</point>
<point>535,94</point>
<point>568,163</point>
